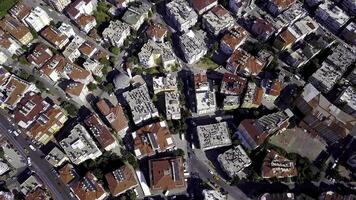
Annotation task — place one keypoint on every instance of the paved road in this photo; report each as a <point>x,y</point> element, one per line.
<point>42,168</point>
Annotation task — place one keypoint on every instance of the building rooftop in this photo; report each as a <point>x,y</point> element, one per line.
<point>75,9</point>
<point>234,37</point>
<point>172,102</point>
<point>135,12</point>
<point>14,27</point>
<point>202,5</point>
<point>38,193</point>
<point>151,138</point>
<point>233,84</point>
<point>121,180</point>
<point>333,11</point>
<point>156,31</point>
<point>341,57</point>
<point>114,115</point>
<point>166,173</point>
<point>79,146</point>
<point>100,131</point>
<point>67,173</point>
<point>181,11</point>
<point>114,31</point>
<point>54,36</point>
<point>213,195</point>
<point>192,44</point>
<point>348,96</point>
<point>40,55</point>
<point>243,62</point>
<point>165,84</point>
<point>56,157</point>
<point>88,188</point>
<point>152,50</point>
<point>213,135</point>
<point>20,11</point>
<point>87,48</point>
<point>234,160</point>
<point>325,77</point>
<point>217,20</point>
<point>275,165</point>
<point>140,103</point>
<point>13,90</point>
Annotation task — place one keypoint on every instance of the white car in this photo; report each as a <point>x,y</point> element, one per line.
<point>211,172</point>
<point>29,161</point>
<point>16,133</point>
<point>32,147</point>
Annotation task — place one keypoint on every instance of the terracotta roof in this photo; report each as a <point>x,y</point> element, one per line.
<point>287,37</point>
<point>233,84</point>
<point>261,26</point>
<point>121,180</point>
<point>275,165</point>
<point>56,63</point>
<point>37,194</point>
<point>99,130</point>
<point>161,136</point>
<point>40,55</point>
<point>202,4</point>
<point>254,131</point>
<point>115,115</point>
<point>234,37</point>
<point>29,107</point>
<point>87,48</point>
<point>72,10</point>
<point>257,97</point>
<point>54,36</point>
<point>219,11</point>
<point>14,27</point>
<point>166,173</point>
<point>99,55</point>
<point>67,173</point>
<point>199,79</point>
<point>245,62</point>
<point>78,73</point>
<point>4,75</point>
<point>48,123</point>
<point>88,188</point>
<point>83,20</point>
<point>20,11</point>
<point>156,31</point>
<point>4,39</point>
<point>283,4</point>
<point>15,88</point>
<point>75,88</point>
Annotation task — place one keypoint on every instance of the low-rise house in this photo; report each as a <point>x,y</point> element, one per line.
<point>88,188</point>
<point>341,58</point>
<point>213,195</point>
<point>100,132</point>
<point>67,173</point>
<point>115,116</point>
<point>140,103</point>
<point>81,7</point>
<point>86,22</point>
<point>172,104</point>
<point>212,136</point>
<point>4,168</point>
<point>12,91</point>
<point>121,180</point>
<point>205,97</point>
<point>157,32</point>
<point>193,46</point>
<point>217,20</point>
<point>87,49</point>
<point>72,52</point>
<point>56,157</point>
<point>275,165</point>
<point>136,14</point>
<point>38,193</point>
<point>166,174</point>
<point>116,33</point>
<point>152,138</point>
<point>7,42</point>
<point>79,146</point>
<point>262,29</point>
<point>276,7</point>
<point>55,37</point>
<point>233,39</point>
<point>20,11</point>
<point>201,6</point>
<point>241,7</point>
<point>271,91</point>
<point>331,16</point>
<point>19,31</point>
<point>232,86</point>
<point>67,29</point>
<point>242,62</point>
<point>40,55</point>
<point>181,14</point>
<point>94,67</point>
<point>165,84</point>
<point>59,5</point>
<point>154,54</point>
<point>77,91</point>
<point>38,19</point>
<point>234,161</point>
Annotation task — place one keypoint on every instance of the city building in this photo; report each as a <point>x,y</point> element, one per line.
<point>234,161</point>
<point>348,99</point>
<point>55,37</point>
<point>71,52</point>
<point>136,14</point>
<point>77,91</point>
<point>275,165</point>
<point>94,67</point>
<point>271,91</point>
<point>193,46</point>
<point>157,32</point>
<point>56,157</point>
<point>213,195</point>
<point>67,29</point>
<point>204,96</point>
<point>101,132</point>
<point>271,196</point>
<point>85,23</point>
<point>116,33</point>
<point>87,49</point>
<point>114,115</point>
<point>262,29</point>
<point>7,42</point>
<point>241,7</point>
<point>181,14</point>
<point>276,7</point>
<point>67,173</point>
<point>140,103</point>
<point>242,62</point>
<point>217,20</point>
<point>213,135</point>
<point>4,168</point>
<point>38,19</point>
<point>79,146</point>
<point>232,86</point>
<point>233,39</point>
<point>59,5</point>
<point>172,104</point>
<point>16,29</point>
<point>325,77</point>
<point>165,84</point>
<point>20,11</point>
<point>121,180</point>
<point>152,138</point>
<point>28,181</point>
<point>331,16</point>
<point>88,188</point>
<point>201,6</point>
<point>81,7</point>
<point>349,33</point>
<point>154,54</point>
<point>39,193</point>
<point>40,55</point>
<point>166,174</point>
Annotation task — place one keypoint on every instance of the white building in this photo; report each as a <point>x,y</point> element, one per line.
<point>165,84</point>
<point>325,77</point>
<point>136,15</point>
<point>217,20</point>
<point>241,7</point>
<point>59,5</point>
<point>56,157</point>
<point>348,97</point>
<point>81,7</point>
<point>72,52</point>
<point>181,14</point>
<point>213,195</point>
<point>67,30</point>
<point>205,98</point>
<point>234,160</point>
<point>193,46</point>
<point>172,105</point>
<point>212,136</point>
<point>116,33</point>
<point>79,146</point>
<point>156,54</point>
<point>38,19</point>
<point>332,16</point>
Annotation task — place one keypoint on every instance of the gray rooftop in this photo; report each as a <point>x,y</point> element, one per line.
<point>213,135</point>
<point>234,160</point>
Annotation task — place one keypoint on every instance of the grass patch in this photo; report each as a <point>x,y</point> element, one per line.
<point>207,63</point>
<point>5,5</point>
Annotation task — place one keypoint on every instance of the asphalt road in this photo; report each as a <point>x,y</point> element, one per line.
<point>42,168</point>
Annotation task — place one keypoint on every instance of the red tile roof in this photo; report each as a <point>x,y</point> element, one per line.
<point>40,55</point>
<point>88,188</point>
<point>121,180</point>
<point>275,165</point>
<point>202,4</point>
<point>115,115</point>
<point>99,130</point>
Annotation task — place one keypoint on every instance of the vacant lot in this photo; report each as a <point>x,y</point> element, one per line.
<point>297,141</point>
<point>5,5</point>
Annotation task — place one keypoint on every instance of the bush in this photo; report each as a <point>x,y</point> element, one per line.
<point>115,50</point>
<point>109,88</point>
<point>71,109</point>
<point>129,157</point>
<point>23,60</point>
<point>92,86</point>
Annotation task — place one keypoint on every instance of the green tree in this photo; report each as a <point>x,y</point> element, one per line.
<point>71,109</point>
<point>92,86</point>
<point>109,88</point>
<point>129,157</point>
<point>179,152</point>
<point>23,60</point>
<point>115,50</point>
<point>2,153</point>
